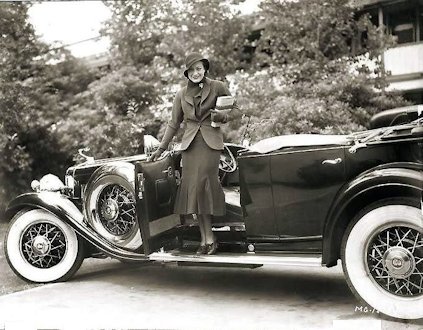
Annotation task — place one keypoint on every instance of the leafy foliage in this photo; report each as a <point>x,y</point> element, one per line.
<point>295,66</point>
<point>34,96</point>
<point>315,69</point>
<point>115,116</point>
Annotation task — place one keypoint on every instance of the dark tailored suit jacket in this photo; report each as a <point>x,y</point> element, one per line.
<point>184,111</point>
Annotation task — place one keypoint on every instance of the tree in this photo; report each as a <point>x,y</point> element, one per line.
<point>19,66</point>
<point>212,27</point>
<point>34,97</point>
<point>141,31</point>
<point>112,115</point>
<point>308,74</point>
<point>147,60</point>
<point>153,37</point>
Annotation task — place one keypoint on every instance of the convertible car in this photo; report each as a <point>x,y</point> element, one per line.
<point>297,200</point>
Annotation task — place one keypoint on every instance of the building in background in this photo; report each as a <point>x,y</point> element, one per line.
<point>403,19</point>
<point>100,61</point>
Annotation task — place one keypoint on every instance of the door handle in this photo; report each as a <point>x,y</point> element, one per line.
<point>168,171</point>
<point>140,178</point>
<point>332,161</point>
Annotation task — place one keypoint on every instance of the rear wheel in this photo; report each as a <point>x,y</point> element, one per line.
<point>382,257</point>
<point>41,248</point>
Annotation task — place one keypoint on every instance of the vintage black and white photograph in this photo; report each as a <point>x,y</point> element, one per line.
<point>211,164</point>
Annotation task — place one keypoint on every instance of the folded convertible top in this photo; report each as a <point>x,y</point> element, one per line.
<point>298,140</point>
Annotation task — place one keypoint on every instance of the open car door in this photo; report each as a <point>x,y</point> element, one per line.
<point>156,190</point>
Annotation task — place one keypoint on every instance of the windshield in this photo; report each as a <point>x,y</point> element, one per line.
<point>391,132</point>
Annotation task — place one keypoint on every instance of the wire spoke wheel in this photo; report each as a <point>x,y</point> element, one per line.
<point>117,210</point>
<point>43,245</point>
<point>395,261</point>
<point>382,257</point>
<point>40,247</point>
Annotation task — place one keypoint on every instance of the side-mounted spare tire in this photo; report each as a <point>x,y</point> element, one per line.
<point>41,248</point>
<point>110,205</point>
<point>382,257</point>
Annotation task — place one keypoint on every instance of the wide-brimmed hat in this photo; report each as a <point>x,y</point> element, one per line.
<point>193,58</point>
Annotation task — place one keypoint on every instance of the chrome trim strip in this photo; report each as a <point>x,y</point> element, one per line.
<point>103,245</point>
<point>286,152</point>
<point>228,226</point>
<point>247,258</point>
<point>300,238</point>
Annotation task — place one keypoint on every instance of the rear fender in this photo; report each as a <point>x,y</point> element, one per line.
<point>65,210</point>
<point>385,181</point>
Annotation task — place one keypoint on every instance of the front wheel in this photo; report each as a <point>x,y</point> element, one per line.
<point>41,248</point>
<point>382,257</point>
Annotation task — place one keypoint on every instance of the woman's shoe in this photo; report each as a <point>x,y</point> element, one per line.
<point>202,250</point>
<point>211,248</point>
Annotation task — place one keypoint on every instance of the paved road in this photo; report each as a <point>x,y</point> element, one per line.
<point>10,283</point>
<point>108,294</point>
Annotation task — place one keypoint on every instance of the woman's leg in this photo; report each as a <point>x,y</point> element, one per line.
<point>208,233</point>
<point>202,231</point>
<point>209,236</point>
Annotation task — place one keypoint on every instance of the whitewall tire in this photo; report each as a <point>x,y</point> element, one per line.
<point>41,248</point>
<point>382,257</point>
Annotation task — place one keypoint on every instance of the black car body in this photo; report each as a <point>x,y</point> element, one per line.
<point>291,200</point>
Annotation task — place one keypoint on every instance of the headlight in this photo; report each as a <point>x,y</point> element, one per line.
<point>35,185</point>
<point>50,182</point>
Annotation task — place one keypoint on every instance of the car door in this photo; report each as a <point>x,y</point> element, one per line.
<point>256,197</point>
<point>156,185</point>
<point>304,184</point>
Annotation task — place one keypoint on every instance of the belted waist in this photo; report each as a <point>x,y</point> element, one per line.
<point>212,136</point>
<point>205,122</point>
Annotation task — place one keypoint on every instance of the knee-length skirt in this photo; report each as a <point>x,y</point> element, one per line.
<point>200,191</point>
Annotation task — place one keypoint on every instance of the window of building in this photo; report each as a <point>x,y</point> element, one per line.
<point>416,97</point>
<point>402,24</point>
<point>404,32</point>
<point>421,23</point>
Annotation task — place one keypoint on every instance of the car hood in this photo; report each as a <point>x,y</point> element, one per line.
<point>299,140</point>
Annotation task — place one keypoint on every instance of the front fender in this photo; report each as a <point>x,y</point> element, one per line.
<point>52,202</point>
<point>385,181</point>
<point>65,210</point>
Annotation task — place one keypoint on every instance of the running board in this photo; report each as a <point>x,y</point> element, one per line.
<point>246,258</point>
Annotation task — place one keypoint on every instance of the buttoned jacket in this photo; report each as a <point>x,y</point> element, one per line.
<point>183,110</point>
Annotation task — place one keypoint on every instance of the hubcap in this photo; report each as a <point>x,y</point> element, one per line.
<point>399,262</point>
<point>395,260</point>
<point>110,210</point>
<point>117,210</point>
<point>43,245</point>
